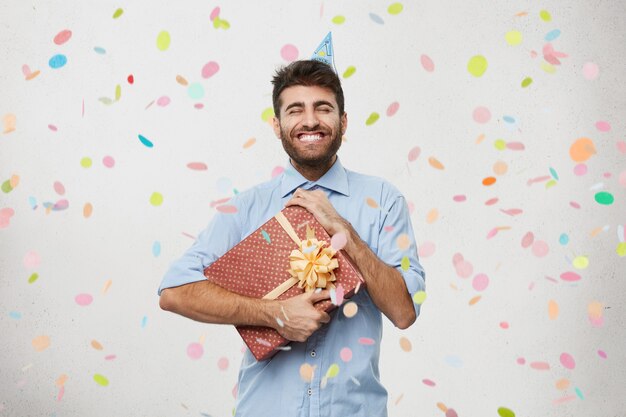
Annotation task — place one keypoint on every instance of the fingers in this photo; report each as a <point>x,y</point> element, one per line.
<point>319,296</point>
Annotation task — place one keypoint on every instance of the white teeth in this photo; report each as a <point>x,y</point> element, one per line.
<point>310,138</point>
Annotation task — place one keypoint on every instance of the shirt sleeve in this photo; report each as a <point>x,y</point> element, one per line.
<point>397,247</point>
<point>223,232</point>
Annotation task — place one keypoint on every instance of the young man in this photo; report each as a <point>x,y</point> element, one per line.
<point>310,121</point>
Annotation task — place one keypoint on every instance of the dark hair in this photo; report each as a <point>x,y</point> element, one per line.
<point>307,73</point>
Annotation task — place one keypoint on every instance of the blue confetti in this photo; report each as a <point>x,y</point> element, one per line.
<point>99,50</point>
<point>266,236</point>
<point>552,35</point>
<point>156,248</point>
<point>554,174</point>
<point>144,321</point>
<point>57,61</point>
<point>563,239</point>
<point>454,361</point>
<point>509,119</point>
<point>15,315</point>
<point>579,393</point>
<point>145,141</point>
<point>377,19</point>
<point>309,249</point>
<point>333,296</point>
<point>32,201</point>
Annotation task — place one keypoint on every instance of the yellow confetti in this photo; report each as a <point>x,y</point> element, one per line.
<point>581,262</point>
<point>333,371</point>
<point>118,92</point>
<point>419,297</point>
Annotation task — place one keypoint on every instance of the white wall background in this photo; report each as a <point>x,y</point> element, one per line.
<point>479,356</point>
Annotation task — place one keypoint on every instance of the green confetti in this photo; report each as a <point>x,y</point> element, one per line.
<point>118,92</point>
<point>419,297</point>
<point>333,371</point>
<point>156,199</point>
<point>513,37</point>
<point>85,162</point>
<point>405,263</point>
<point>604,198</point>
<point>118,13</point>
<point>505,412</point>
<point>105,100</point>
<point>6,186</point>
<point>395,8</point>
<point>500,144</point>
<point>545,16</point>
<point>550,183</point>
<point>477,65</point>
<point>621,249</point>
<point>163,40</point>
<point>372,119</point>
<point>33,278</point>
<point>526,82</point>
<point>267,114</point>
<point>338,20</point>
<point>220,23</point>
<point>349,71</point>
<point>101,380</point>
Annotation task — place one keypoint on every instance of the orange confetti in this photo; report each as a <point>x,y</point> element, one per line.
<point>595,232</point>
<point>249,143</point>
<point>107,284</point>
<point>489,181</point>
<point>562,384</point>
<point>61,380</point>
<point>595,310</point>
<point>400,397</point>
<point>582,149</point>
<point>442,407</point>
<point>41,343</point>
<point>96,345</point>
<point>474,300</point>
<point>403,241</point>
<point>371,202</point>
<point>435,163</point>
<point>553,310</point>
<point>181,80</point>
<point>520,14</point>
<point>432,216</point>
<point>480,138</point>
<point>87,210</point>
<point>405,344</point>
<point>14,180</point>
<point>500,168</point>
<point>306,372</point>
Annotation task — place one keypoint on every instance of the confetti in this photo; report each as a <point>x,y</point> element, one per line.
<point>552,35</point>
<point>393,108</point>
<point>306,372</point>
<point>222,363</point>
<point>419,297</point>
<point>366,341</point>
<point>108,161</point>
<point>414,153</point>
<point>83,299</point>
<point>57,61</point>
<point>372,119</point>
<point>62,37</point>
<point>345,354</point>
<point>145,141</point>
<point>163,40</point>
<point>41,343</point>
<point>376,19</point>
<point>428,382</point>
<point>540,366</point>
<point>481,115</point>
<point>489,181</point>
<point>156,248</point>
<point>434,162</point>
<point>33,277</point>
<point>604,198</point>
<point>195,91</point>
<point>226,208</point>
<point>553,310</point>
<point>427,63</point>
<point>333,371</point>
<point>480,282</point>
<point>197,166</point>
<point>526,82</point>
<point>163,101</point>
<point>474,300</point>
<point>118,13</point>
<point>249,143</point>
<point>156,199</point>
<point>349,72</point>
<point>267,114</point>
<point>405,344</point>
<point>395,8</point>
<point>590,71</point>
<point>101,380</point>
<point>505,412</point>
<point>405,264</point>
<point>195,350</point>
<point>338,20</point>
<point>350,309</point>
<point>289,53</point>
<point>28,74</point>
<point>403,241</point>
<point>99,50</point>
<point>106,286</point>
<point>540,248</point>
<point>513,37</point>
<point>477,65</point>
<point>567,361</point>
<point>96,345</point>
<point>210,69</point>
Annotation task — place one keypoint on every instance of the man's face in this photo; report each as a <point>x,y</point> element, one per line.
<point>310,126</point>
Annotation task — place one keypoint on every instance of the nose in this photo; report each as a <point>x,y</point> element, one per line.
<point>309,119</point>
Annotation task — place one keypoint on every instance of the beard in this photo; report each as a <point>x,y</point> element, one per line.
<point>312,161</point>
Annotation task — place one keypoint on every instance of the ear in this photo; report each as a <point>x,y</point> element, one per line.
<point>344,123</point>
<point>276,126</point>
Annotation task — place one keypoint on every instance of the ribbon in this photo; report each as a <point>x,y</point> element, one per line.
<point>312,264</point>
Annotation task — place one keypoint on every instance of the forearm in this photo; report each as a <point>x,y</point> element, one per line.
<point>206,302</point>
<point>385,284</point>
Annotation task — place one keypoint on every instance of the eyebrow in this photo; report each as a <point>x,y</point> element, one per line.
<point>315,104</point>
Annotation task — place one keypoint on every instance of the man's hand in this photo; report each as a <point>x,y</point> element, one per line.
<point>298,316</point>
<point>317,203</point>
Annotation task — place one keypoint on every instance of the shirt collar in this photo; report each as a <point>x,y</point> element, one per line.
<point>335,179</point>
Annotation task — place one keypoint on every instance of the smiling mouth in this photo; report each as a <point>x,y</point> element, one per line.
<point>310,137</point>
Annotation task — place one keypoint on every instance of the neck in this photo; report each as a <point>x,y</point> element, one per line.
<point>313,173</point>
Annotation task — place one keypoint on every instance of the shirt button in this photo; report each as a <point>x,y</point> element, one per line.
<point>310,391</point>
<point>312,353</point>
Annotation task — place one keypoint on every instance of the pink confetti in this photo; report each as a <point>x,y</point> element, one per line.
<point>591,71</point>
<point>521,361</point>
<point>457,258</point>
<point>602,354</point>
<point>580,169</point>
<point>574,204</point>
<point>277,171</point>
<point>210,69</point>
<point>338,241</point>
<point>414,153</point>
<point>366,341</point>
<point>540,248</point>
<point>220,201</point>
<point>32,260</point>
<point>58,188</point>
<point>110,357</point>
<point>459,198</point>
<point>528,239</point>
<point>492,233</point>
<point>388,228</point>
<point>61,205</point>
<point>480,282</point>
<point>222,364</point>
<point>622,178</point>
<point>428,382</point>
<point>540,366</point>
<point>451,413</point>
<point>512,212</point>
<point>214,13</point>
<point>226,208</point>
<point>195,350</point>
<point>567,361</point>
<point>63,36</point>
<point>515,146</point>
<point>427,63</point>
<point>426,249</point>
<point>621,146</point>
<point>481,115</point>
<point>504,325</point>
<point>289,52</point>
<point>339,293</point>
<point>197,166</point>
<point>198,106</point>
<point>52,127</point>
<point>346,354</point>
<point>393,108</point>
<point>61,392</point>
<point>603,126</point>
<point>163,101</point>
<point>570,276</point>
<point>108,161</point>
<point>491,201</point>
<point>5,216</point>
<point>464,269</point>
<point>83,299</point>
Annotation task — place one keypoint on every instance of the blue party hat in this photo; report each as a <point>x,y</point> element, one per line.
<point>324,52</point>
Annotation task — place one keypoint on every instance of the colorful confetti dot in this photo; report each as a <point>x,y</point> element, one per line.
<point>481,115</point>
<point>222,363</point>
<point>87,210</point>
<point>414,153</point>
<point>346,354</point>
<point>552,35</point>
<point>582,149</point>
<point>349,72</point>
<point>376,19</point>
<point>118,13</point>
<point>480,282</point>
<point>591,71</point>
<point>505,412</point>
<point>62,37</point>
<point>57,61</point>
<point>101,380</point>
<point>567,361</point>
<point>306,372</point>
<point>350,309</point>
<point>156,199</point>
<point>195,91</point>
<point>289,52</point>
<point>393,108</point>
<point>604,198</point>
<point>267,114</point>
<point>526,82</point>
<point>419,297</point>
<point>210,69</point>
<point>553,310</point>
<point>163,101</point>
<point>373,117</point>
<point>570,276</point>
<point>163,40</point>
<point>338,20</point>
<point>427,63</point>
<point>477,65</point>
<point>195,350</point>
<point>513,37</point>
<point>108,161</point>
<point>41,343</point>
<point>145,141</point>
<point>405,344</point>
<point>83,299</point>
<point>33,277</point>
<point>156,248</point>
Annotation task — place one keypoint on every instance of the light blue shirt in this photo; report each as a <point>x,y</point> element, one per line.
<point>274,387</point>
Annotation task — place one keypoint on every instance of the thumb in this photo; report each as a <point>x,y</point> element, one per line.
<point>319,296</point>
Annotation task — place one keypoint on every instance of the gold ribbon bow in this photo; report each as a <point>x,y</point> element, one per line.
<point>312,264</point>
